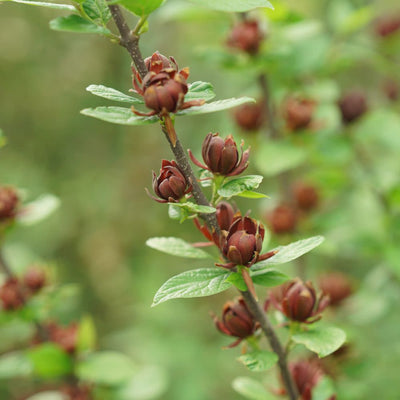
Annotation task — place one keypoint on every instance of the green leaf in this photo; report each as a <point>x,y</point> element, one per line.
<point>291,252</point>
<point>320,339</point>
<point>195,208</point>
<point>237,280</point>
<point>196,283</point>
<point>14,365</point>
<point>249,194</point>
<point>232,5</point>
<point>55,6</point>
<point>258,361</point>
<point>106,368</point>
<point>3,140</point>
<point>141,7</point>
<point>47,395</point>
<point>269,278</point>
<point>86,335</point>
<point>176,247</point>
<point>237,186</point>
<point>50,361</point>
<point>75,23</point>
<point>177,213</point>
<point>200,91</point>
<point>324,389</point>
<point>276,157</point>
<point>39,209</point>
<point>216,106</point>
<point>118,115</point>
<point>250,388</point>
<point>97,11</point>
<point>112,94</point>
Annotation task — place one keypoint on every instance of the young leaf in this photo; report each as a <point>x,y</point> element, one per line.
<point>196,283</point>
<point>237,186</point>
<point>232,5</point>
<point>324,389</point>
<point>258,361</point>
<point>291,252</point>
<point>75,23</point>
<point>55,6</point>
<point>269,278</point>
<point>118,115</point>
<point>97,11</point>
<point>86,335</point>
<point>237,280</point>
<point>176,247</point>
<point>216,106</point>
<point>321,340</point>
<point>249,194</point>
<point>141,8</point>
<point>14,365</point>
<point>112,94</point>
<point>200,91</point>
<point>250,388</point>
<point>106,368</point>
<point>38,210</point>
<point>195,208</point>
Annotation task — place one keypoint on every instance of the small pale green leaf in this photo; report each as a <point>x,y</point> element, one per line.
<point>86,335</point>
<point>176,247</point>
<point>232,5</point>
<point>237,280</point>
<point>50,361</point>
<point>77,24</point>
<point>291,252</point>
<point>55,6</point>
<point>97,11</point>
<point>324,389</point>
<point>141,7</point>
<point>249,194</point>
<point>38,210</point>
<point>258,361</point>
<point>250,388</point>
<point>175,212</point>
<point>237,186</point>
<point>106,368</point>
<point>321,339</point>
<point>196,283</point>
<point>14,365</point>
<point>48,395</point>
<point>216,106</point>
<point>200,91</point>
<point>112,94</point>
<point>269,278</point>
<point>195,208</point>
<point>118,115</point>
<point>3,140</point>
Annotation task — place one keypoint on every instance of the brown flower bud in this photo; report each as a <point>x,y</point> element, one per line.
<point>336,286</point>
<point>221,156</point>
<point>8,203</point>
<point>298,301</point>
<point>246,36</point>
<point>171,185</point>
<point>236,321</point>
<point>283,219</point>
<point>388,25</point>
<point>77,392</point>
<point>34,279</point>
<point>225,215</point>
<point>158,62</point>
<point>306,196</point>
<point>352,106</point>
<point>65,336</point>
<point>250,116</point>
<point>298,113</point>
<point>391,90</point>
<point>11,294</point>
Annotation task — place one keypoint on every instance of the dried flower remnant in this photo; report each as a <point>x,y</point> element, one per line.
<point>250,116</point>
<point>246,36</point>
<point>298,301</point>
<point>337,286</point>
<point>221,156</point>
<point>352,106</point>
<point>237,321</point>
<point>171,185</point>
<point>298,113</point>
<point>283,219</point>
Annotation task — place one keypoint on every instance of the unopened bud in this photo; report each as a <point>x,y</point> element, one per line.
<point>352,106</point>
<point>246,36</point>
<point>283,219</point>
<point>250,116</point>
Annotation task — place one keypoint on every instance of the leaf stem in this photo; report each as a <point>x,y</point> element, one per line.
<point>139,25</point>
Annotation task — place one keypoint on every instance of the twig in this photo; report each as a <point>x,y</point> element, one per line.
<point>264,85</point>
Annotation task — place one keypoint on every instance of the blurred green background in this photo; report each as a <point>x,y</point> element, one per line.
<point>99,171</point>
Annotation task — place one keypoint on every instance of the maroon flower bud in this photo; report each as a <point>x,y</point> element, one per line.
<point>336,286</point>
<point>386,26</point>
<point>298,113</point>
<point>77,392</point>
<point>158,62</point>
<point>306,196</point>
<point>391,90</point>
<point>236,321</point>
<point>283,219</point>
<point>250,116</point>
<point>65,336</point>
<point>225,213</point>
<point>221,156</point>
<point>246,36</point>
<point>298,301</point>
<point>11,294</point>
<point>352,106</point>
<point>8,203</point>
<point>34,279</point>
<point>171,185</point>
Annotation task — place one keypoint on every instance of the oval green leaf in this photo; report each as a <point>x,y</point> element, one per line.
<point>251,389</point>
<point>200,91</point>
<point>195,208</point>
<point>258,361</point>
<point>176,247</point>
<point>196,283</point>
<point>269,278</point>
<point>77,24</point>
<point>112,94</point>
<point>237,186</point>
<point>141,7</point>
<point>38,210</point>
